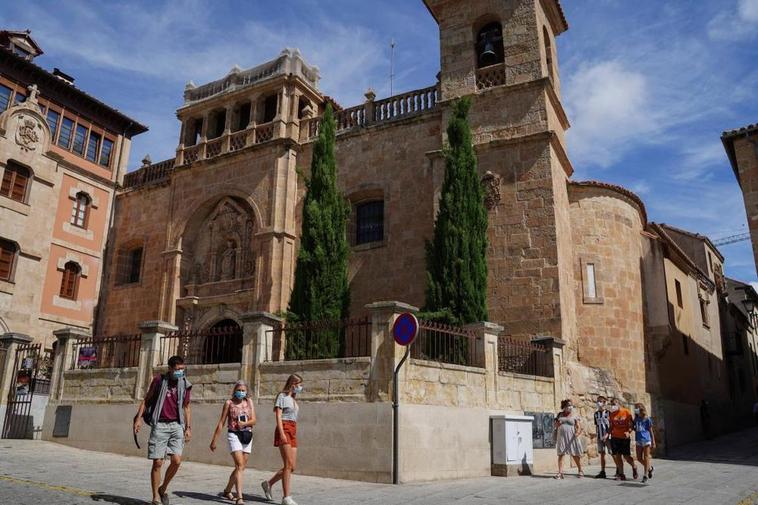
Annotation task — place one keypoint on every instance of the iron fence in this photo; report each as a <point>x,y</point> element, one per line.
<point>523,357</point>
<point>203,347</point>
<point>346,338</point>
<point>120,351</point>
<point>447,344</point>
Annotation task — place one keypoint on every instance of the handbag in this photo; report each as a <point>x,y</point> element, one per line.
<point>244,436</point>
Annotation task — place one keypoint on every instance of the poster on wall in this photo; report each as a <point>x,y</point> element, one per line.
<point>27,363</point>
<point>87,357</point>
<point>23,382</point>
<point>542,429</point>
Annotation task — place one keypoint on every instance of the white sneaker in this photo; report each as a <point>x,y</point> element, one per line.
<point>287,500</point>
<point>267,490</point>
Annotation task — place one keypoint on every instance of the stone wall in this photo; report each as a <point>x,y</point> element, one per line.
<point>746,168</point>
<point>607,226</point>
<point>325,380</point>
<point>109,385</point>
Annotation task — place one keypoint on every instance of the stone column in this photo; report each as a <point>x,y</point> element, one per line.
<point>227,128</point>
<point>257,344</point>
<point>64,358</point>
<point>180,148</point>
<point>203,136</point>
<point>150,353</point>
<point>486,353</point>
<point>385,353</point>
<point>554,346</point>
<point>9,342</point>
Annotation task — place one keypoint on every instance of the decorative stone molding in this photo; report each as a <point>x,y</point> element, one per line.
<point>65,303</point>
<point>491,186</point>
<point>70,256</point>
<point>80,232</point>
<point>81,187</point>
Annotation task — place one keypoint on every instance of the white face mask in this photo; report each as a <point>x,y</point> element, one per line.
<point>570,408</point>
<point>637,411</point>
<point>601,405</point>
<point>614,408</point>
<point>298,389</point>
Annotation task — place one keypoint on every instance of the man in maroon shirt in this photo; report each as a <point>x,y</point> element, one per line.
<point>166,408</point>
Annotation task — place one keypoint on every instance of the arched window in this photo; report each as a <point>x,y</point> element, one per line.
<point>80,210</point>
<point>489,45</point>
<point>15,182</point>
<point>72,272</point>
<point>223,343</point>
<point>8,253</point>
<point>548,52</point>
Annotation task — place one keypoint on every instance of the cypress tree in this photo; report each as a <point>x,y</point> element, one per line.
<point>321,287</point>
<point>456,257</point>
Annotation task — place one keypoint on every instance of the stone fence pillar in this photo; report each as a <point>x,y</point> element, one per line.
<point>149,353</point>
<point>385,354</point>
<point>555,361</point>
<point>64,358</point>
<point>486,348</point>
<point>257,344</point>
<point>9,342</point>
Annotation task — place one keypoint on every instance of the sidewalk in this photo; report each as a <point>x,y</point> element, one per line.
<point>721,471</point>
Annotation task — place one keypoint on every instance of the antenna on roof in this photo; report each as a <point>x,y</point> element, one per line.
<point>392,65</point>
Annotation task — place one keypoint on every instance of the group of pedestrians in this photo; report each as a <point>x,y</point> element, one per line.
<point>615,426</point>
<point>166,408</point>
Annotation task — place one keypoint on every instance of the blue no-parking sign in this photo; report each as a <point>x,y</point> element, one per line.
<point>405,328</point>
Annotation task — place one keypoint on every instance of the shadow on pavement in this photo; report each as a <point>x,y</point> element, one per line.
<point>216,498</point>
<point>739,448</point>
<point>118,500</point>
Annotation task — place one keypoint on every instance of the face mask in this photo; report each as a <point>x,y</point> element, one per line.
<point>570,408</point>
<point>637,411</point>
<point>240,395</point>
<point>178,374</point>
<point>298,389</point>
<point>614,408</point>
<point>600,405</point>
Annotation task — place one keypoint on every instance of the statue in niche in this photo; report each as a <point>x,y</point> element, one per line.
<point>229,261</point>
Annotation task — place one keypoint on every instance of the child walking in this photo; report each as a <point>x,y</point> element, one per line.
<point>645,438</point>
<point>238,414</point>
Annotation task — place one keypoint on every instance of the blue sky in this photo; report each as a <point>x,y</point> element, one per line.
<point>649,86</point>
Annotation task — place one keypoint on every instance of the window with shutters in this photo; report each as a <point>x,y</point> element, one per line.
<point>72,272</point>
<point>15,183</point>
<point>80,211</point>
<point>8,253</point>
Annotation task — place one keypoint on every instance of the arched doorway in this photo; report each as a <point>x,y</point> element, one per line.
<point>223,343</point>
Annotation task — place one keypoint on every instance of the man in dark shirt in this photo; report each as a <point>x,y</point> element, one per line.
<point>167,403</point>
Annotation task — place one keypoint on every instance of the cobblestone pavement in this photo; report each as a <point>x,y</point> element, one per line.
<point>721,471</point>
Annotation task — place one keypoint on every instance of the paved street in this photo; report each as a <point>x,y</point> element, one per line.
<point>722,471</point>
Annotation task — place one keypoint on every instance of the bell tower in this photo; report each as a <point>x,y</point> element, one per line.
<point>499,42</point>
<point>502,54</point>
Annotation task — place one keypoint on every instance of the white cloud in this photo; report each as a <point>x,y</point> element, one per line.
<point>735,26</point>
<point>698,158</point>
<point>609,105</point>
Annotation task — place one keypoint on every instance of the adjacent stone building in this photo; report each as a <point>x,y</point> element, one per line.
<point>62,154</point>
<point>741,147</point>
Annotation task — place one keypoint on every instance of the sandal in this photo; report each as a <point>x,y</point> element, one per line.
<point>580,474</point>
<point>227,495</point>
<point>239,501</point>
<point>558,476</point>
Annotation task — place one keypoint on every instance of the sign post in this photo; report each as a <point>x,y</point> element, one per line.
<point>404,331</point>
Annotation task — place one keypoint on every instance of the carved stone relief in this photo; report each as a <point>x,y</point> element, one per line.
<point>491,186</point>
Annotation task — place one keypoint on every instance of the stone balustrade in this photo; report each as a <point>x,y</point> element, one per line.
<point>491,76</point>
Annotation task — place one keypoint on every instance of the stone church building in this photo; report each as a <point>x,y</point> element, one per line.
<point>211,234</point>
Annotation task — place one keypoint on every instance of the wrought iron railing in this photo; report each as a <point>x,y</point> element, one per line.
<point>121,351</point>
<point>347,338</point>
<point>447,344</point>
<point>214,345</point>
<point>526,358</point>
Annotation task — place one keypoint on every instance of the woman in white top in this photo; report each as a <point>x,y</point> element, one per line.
<point>285,437</point>
<point>239,415</point>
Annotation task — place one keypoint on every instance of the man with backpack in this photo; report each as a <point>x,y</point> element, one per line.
<point>166,408</point>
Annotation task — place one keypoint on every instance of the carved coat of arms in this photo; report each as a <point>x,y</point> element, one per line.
<point>491,186</point>
<point>26,135</point>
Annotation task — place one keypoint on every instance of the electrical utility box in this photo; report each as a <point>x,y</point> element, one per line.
<point>512,445</point>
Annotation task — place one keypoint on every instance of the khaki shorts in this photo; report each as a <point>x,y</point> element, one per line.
<point>165,439</point>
